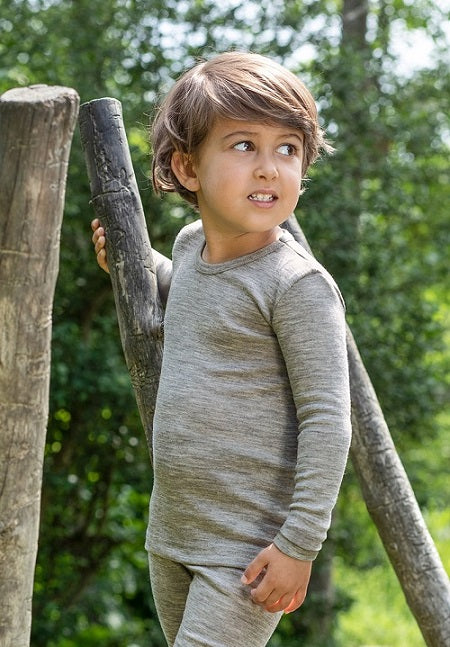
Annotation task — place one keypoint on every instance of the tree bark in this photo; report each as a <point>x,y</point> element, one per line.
<point>391,502</point>
<point>36,127</point>
<point>354,23</point>
<point>118,206</point>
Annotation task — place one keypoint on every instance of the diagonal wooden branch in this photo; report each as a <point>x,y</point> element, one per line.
<point>391,502</point>
<point>118,206</point>
<point>385,486</point>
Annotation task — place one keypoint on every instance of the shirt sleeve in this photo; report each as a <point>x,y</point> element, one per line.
<point>163,274</point>
<point>309,322</point>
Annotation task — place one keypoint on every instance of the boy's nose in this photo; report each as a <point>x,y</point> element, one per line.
<point>266,168</point>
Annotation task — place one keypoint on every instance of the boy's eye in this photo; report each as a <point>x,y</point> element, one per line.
<point>287,149</point>
<point>243,146</point>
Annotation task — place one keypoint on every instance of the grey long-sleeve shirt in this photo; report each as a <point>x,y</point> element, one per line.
<point>252,422</point>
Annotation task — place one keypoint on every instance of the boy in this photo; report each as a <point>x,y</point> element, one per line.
<point>252,421</point>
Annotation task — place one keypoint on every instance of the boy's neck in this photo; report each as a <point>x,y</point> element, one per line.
<point>220,247</point>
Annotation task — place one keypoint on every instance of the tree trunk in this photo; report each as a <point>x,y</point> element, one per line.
<point>117,205</point>
<point>36,127</point>
<point>391,503</point>
<point>354,23</point>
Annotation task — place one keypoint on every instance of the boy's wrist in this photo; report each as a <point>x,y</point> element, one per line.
<point>293,550</point>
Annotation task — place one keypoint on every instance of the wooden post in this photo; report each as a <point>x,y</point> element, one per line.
<point>391,502</point>
<point>36,127</point>
<point>117,205</point>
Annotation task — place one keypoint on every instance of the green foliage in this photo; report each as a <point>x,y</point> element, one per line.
<point>375,214</point>
<point>380,617</point>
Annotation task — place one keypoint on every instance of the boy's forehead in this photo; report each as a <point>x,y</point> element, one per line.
<point>224,127</point>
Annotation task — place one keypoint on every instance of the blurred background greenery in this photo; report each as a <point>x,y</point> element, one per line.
<point>376,215</point>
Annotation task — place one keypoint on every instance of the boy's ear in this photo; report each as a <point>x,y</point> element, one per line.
<point>184,170</point>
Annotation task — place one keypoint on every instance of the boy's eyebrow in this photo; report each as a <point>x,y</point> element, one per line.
<point>252,133</point>
<point>239,133</point>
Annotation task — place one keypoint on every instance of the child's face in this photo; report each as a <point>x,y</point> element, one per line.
<point>247,175</point>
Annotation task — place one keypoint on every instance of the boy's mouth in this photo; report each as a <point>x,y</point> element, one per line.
<point>262,197</point>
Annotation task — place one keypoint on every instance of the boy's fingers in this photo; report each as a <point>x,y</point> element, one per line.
<point>101,260</point>
<point>280,605</point>
<point>99,244</point>
<point>97,234</point>
<point>296,602</point>
<point>95,223</point>
<point>254,569</point>
<point>264,595</point>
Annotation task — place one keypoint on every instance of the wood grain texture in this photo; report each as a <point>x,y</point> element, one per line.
<point>36,127</point>
<point>118,206</point>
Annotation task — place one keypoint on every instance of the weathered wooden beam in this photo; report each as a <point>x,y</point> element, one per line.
<point>393,507</point>
<point>118,206</point>
<point>36,127</point>
<point>392,504</point>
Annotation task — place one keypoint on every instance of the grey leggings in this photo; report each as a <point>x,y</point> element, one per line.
<point>207,606</point>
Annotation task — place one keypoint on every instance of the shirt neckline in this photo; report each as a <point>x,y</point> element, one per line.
<point>216,268</point>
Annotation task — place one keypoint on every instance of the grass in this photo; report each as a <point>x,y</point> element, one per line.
<point>379,616</point>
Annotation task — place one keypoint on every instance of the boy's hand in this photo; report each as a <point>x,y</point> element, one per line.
<point>282,581</point>
<point>99,241</point>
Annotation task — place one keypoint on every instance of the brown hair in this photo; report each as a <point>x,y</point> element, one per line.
<point>233,85</point>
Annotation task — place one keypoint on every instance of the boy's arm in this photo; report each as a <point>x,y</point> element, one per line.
<point>162,263</point>
<point>310,326</point>
<point>309,322</point>
<point>163,274</point>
